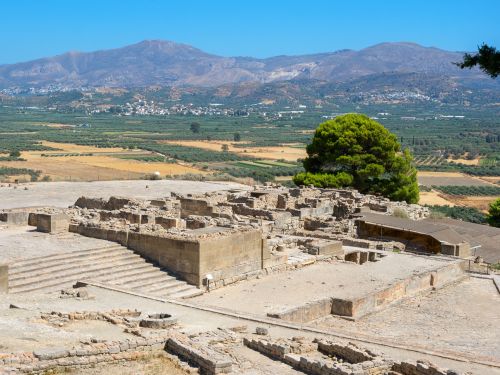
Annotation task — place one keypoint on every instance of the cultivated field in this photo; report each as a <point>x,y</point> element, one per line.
<point>285,152</point>
<point>480,203</point>
<point>88,163</point>
<point>432,198</point>
<point>449,178</point>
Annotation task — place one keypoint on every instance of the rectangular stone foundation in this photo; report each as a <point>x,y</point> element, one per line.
<point>358,307</point>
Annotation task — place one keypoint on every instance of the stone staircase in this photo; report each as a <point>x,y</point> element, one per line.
<point>113,265</point>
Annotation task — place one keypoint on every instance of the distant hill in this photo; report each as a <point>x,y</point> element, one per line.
<point>165,63</point>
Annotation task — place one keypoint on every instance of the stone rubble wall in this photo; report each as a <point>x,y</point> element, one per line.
<point>306,357</point>
<point>42,360</point>
<point>209,361</point>
<point>421,368</point>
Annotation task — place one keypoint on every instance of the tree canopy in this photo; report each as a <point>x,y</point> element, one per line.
<point>354,151</point>
<point>488,59</point>
<point>195,127</point>
<point>493,217</point>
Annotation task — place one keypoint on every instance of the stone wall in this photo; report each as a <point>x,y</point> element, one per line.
<point>228,256</point>
<point>307,357</point>
<point>180,256</point>
<point>42,360</point>
<point>209,361</point>
<point>15,217</point>
<point>421,368</point>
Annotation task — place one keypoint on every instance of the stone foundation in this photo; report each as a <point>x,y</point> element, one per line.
<point>209,361</point>
<point>322,357</point>
<point>356,308</point>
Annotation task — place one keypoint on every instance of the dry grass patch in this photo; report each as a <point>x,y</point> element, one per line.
<point>465,161</point>
<point>76,149</point>
<point>481,203</point>
<point>434,198</point>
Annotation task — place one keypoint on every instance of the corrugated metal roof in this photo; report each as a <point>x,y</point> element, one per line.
<point>485,239</point>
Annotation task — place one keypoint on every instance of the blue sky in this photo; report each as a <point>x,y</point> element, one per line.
<point>38,28</point>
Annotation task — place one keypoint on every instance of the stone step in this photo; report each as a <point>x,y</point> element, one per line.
<point>62,259</point>
<point>153,278</point>
<point>57,256</point>
<point>146,275</point>
<point>173,289</point>
<point>117,276</point>
<point>80,273</point>
<point>160,286</point>
<point>189,293</point>
<point>75,264</point>
<point>114,265</point>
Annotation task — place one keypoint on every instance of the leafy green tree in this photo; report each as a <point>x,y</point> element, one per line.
<point>237,137</point>
<point>195,127</point>
<point>15,154</point>
<point>354,151</point>
<point>488,59</point>
<point>493,217</point>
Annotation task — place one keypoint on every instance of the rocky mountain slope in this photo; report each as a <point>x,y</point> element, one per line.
<point>165,63</point>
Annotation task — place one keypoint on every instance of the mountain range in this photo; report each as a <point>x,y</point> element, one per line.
<point>166,63</point>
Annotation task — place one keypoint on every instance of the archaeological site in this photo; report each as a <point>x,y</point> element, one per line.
<point>213,277</point>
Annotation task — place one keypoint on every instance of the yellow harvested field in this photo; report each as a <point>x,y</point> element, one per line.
<point>100,166</point>
<point>434,198</point>
<point>72,148</point>
<point>439,174</point>
<point>272,152</point>
<point>465,161</point>
<point>481,203</point>
<point>283,178</point>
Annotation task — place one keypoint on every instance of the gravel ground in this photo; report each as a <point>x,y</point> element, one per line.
<point>64,194</point>
<point>25,242</point>
<point>321,280</point>
<point>460,318</point>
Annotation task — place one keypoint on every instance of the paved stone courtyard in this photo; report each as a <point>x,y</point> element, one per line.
<point>323,279</point>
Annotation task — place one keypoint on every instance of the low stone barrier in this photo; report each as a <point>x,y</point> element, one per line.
<point>86,355</point>
<point>421,368</point>
<point>322,357</point>
<point>209,361</point>
<point>305,313</point>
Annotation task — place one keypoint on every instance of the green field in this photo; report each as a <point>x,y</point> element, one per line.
<point>432,139</point>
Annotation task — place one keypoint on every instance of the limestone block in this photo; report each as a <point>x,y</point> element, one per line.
<point>52,223</point>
